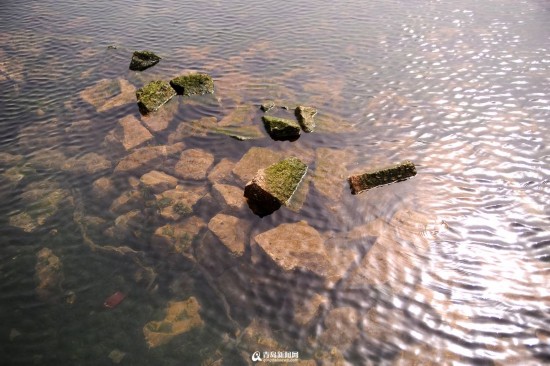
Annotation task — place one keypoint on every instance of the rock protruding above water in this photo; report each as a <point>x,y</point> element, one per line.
<point>153,95</point>
<point>305,117</point>
<point>281,128</point>
<point>296,245</point>
<point>142,60</point>
<point>193,84</point>
<point>181,317</point>
<point>374,178</point>
<point>274,186</point>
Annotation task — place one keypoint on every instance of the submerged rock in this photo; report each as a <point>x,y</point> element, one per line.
<point>281,128</point>
<point>158,181</point>
<point>267,105</point>
<point>178,237</point>
<point>177,203</point>
<point>107,94</point>
<point>293,246</point>
<point>221,172</point>
<point>341,328</point>
<point>256,158</point>
<point>193,164</point>
<point>147,157</point>
<point>142,60</point>
<point>90,163</point>
<point>230,197</point>
<point>305,117</point>
<point>192,84</point>
<point>9,159</point>
<point>275,185</point>
<point>153,95</point>
<point>133,133</point>
<point>49,274</point>
<point>374,178</point>
<point>181,317</point>
<point>232,232</point>
<point>103,187</point>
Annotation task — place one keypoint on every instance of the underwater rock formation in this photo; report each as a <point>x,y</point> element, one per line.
<point>49,274</point>
<point>377,177</point>
<point>274,185</point>
<point>193,84</point>
<point>181,317</point>
<point>305,117</point>
<point>142,60</point>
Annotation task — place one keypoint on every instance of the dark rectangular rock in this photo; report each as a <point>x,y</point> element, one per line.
<point>378,177</point>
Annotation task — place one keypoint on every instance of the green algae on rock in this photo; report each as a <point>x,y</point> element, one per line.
<point>142,60</point>
<point>153,95</point>
<point>274,185</point>
<point>395,173</point>
<point>305,117</point>
<point>281,128</point>
<point>193,84</point>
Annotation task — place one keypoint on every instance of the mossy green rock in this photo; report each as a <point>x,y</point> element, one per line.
<point>281,128</point>
<point>193,84</point>
<point>142,60</point>
<point>305,117</point>
<point>275,185</point>
<point>153,95</point>
<point>374,178</point>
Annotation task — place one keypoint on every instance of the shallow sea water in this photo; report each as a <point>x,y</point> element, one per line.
<point>449,267</point>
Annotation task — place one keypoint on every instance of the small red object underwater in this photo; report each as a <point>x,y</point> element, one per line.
<point>113,300</point>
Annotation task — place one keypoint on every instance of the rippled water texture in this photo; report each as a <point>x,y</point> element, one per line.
<point>449,267</point>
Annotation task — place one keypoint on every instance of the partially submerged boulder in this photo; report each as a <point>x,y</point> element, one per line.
<point>275,185</point>
<point>377,177</point>
<point>281,128</point>
<point>305,117</point>
<point>191,84</point>
<point>153,95</point>
<point>181,317</point>
<point>142,60</point>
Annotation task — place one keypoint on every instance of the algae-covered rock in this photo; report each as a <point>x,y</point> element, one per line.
<point>178,203</point>
<point>153,95</point>
<point>193,84</point>
<point>374,178</point>
<point>142,60</point>
<point>305,117</point>
<point>181,317</point>
<point>267,105</point>
<point>275,185</point>
<point>49,274</point>
<point>281,128</point>
<point>296,245</point>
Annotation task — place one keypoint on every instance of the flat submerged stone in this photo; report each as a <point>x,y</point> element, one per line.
<point>281,128</point>
<point>374,178</point>
<point>193,84</point>
<point>153,95</point>
<point>142,60</point>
